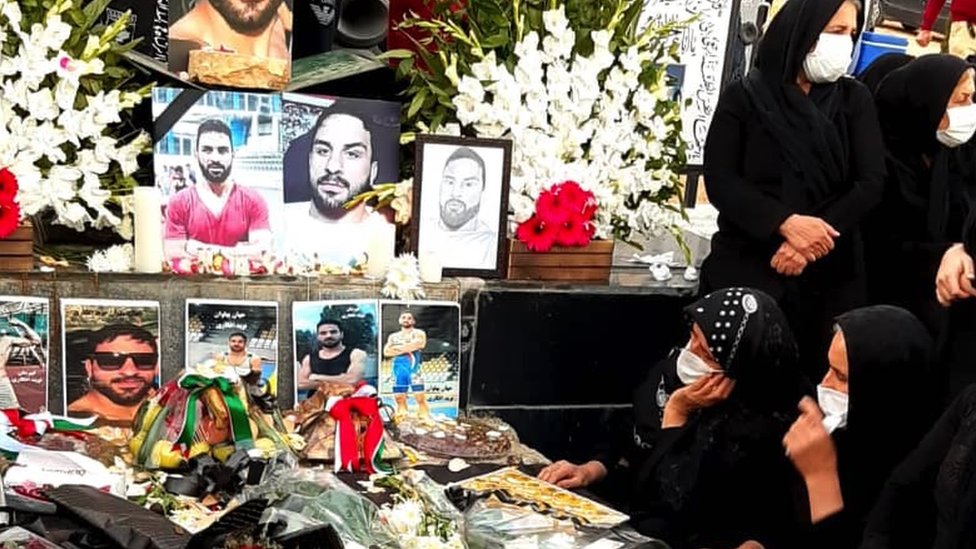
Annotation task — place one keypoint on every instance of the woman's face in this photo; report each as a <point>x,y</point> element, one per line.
<point>836,377</point>
<point>962,95</point>
<point>699,346</point>
<point>844,21</point>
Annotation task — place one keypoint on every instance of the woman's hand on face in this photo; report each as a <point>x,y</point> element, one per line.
<point>705,392</point>
<point>570,476</point>
<point>788,261</point>
<point>811,236</point>
<point>954,280</point>
<point>808,444</point>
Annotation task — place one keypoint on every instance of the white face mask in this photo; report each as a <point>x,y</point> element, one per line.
<point>834,406</point>
<point>691,367</point>
<point>962,126</point>
<point>830,58</point>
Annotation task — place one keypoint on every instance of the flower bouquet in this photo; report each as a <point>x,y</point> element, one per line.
<point>581,92</point>
<point>64,134</point>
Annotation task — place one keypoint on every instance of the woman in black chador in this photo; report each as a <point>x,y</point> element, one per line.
<point>794,162</point>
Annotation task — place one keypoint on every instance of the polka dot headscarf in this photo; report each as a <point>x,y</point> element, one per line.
<point>723,317</point>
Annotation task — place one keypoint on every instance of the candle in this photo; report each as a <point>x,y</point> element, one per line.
<point>380,249</point>
<point>148,222</point>
<point>430,266</point>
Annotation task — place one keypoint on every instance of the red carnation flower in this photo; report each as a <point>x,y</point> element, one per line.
<point>8,185</point>
<point>536,234</point>
<point>9,217</point>
<point>575,232</point>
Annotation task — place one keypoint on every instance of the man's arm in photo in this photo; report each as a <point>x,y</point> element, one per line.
<point>259,228</point>
<point>176,236</point>
<point>357,366</point>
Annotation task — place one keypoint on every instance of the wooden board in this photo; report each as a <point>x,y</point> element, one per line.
<point>587,264</point>
<point>17,250</point>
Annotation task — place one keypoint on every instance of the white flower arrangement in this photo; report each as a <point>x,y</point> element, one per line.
<point>403,279</point>
<point>57,123</point>
<point>407,519</point>
<point>594,119</point>
<point>115,259</point>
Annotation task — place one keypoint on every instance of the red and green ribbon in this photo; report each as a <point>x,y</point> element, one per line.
<point>347,456</point>
<point>240,426</point>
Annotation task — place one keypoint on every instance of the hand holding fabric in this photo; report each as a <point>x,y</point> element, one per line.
<point>811,236</point>
<point>788,261</point>
<point>570,476</point>
<point>703,393</point>
<point>954,280</point>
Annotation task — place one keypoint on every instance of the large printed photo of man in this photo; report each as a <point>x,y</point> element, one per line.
<point>111,357</point>
<point>229,143</point>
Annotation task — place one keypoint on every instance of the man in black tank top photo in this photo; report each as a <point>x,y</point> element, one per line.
<point>331,361</point>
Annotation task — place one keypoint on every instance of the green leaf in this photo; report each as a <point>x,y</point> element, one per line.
<point>395,54</point>
<point>417,102</point>
<point>496,41</point>
<point>93,12</point>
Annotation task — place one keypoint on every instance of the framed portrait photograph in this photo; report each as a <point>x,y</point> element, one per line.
<point>336,148</point>
<point>335,342</point>
<point>110,357</point>
<point>217,163</point>
<point>24,338</point>
<point>420,375</point>
<point>241,334</point>
<point>460,197</point>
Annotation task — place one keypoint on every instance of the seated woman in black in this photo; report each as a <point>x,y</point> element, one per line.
<point>793,163</point>
<point>879,361</point>
<point>705,449</point>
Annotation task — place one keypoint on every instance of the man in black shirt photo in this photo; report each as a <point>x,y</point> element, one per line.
<point>332,362</point>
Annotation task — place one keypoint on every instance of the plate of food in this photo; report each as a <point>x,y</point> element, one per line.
<point>460,438</point>
<point>511,484</point>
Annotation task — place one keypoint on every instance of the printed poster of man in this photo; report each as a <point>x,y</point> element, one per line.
<point>111,357</point>
<point>24,344</point>
<point>335,341</point>
<point>421,348</point>
<point>253,28</point>
<point>240,334</point>
<point>218,165</point>
<point>335,149</point>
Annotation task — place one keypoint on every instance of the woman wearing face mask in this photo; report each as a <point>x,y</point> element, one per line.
<point>793,162</point>
<point>706,468</point>
<point>912,238</point>
<point>845,448</point>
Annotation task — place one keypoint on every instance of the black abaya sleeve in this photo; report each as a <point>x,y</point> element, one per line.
<point>905,512</point>
<point>753,211</point>
<point>867,162</point>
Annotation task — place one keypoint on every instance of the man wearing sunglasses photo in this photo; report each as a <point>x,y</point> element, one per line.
<point>121,366</point>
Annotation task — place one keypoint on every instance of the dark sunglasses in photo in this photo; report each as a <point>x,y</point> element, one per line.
<point>115,361</point>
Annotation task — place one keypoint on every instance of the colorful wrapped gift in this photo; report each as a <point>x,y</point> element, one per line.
<point>210,410</point>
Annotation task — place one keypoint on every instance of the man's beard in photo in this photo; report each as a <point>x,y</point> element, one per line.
<point>455,213</point>
<point>247,16</point>
<point>330,343</point>
<point>122,399</point>
<point>211,178</point>
<point>333,207</point>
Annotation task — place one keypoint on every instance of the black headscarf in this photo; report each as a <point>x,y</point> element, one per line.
<point>881,67</point>
<point>910,114</point>
<point>889,354</point>
<point>759,352</point>
<point>805,126</point>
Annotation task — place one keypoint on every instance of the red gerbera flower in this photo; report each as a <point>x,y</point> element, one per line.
<point>9,217</point>
<point>575,232</point>
<point>8,185</point>
<point>551,207</point>
<point>573,197</point>
<point>536,234</point>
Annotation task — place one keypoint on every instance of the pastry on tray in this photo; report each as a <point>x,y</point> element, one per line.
<point>463,438</point>
<point>512,484</point>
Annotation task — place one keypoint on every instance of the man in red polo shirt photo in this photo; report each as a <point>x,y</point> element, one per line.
<point>216,213</point>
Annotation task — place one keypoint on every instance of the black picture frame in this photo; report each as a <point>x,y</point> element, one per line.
<point>422,217</point>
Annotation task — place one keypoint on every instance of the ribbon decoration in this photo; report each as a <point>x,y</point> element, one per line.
<point>240,425</point>
<point>346,440</point>
<point>38,424</point>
